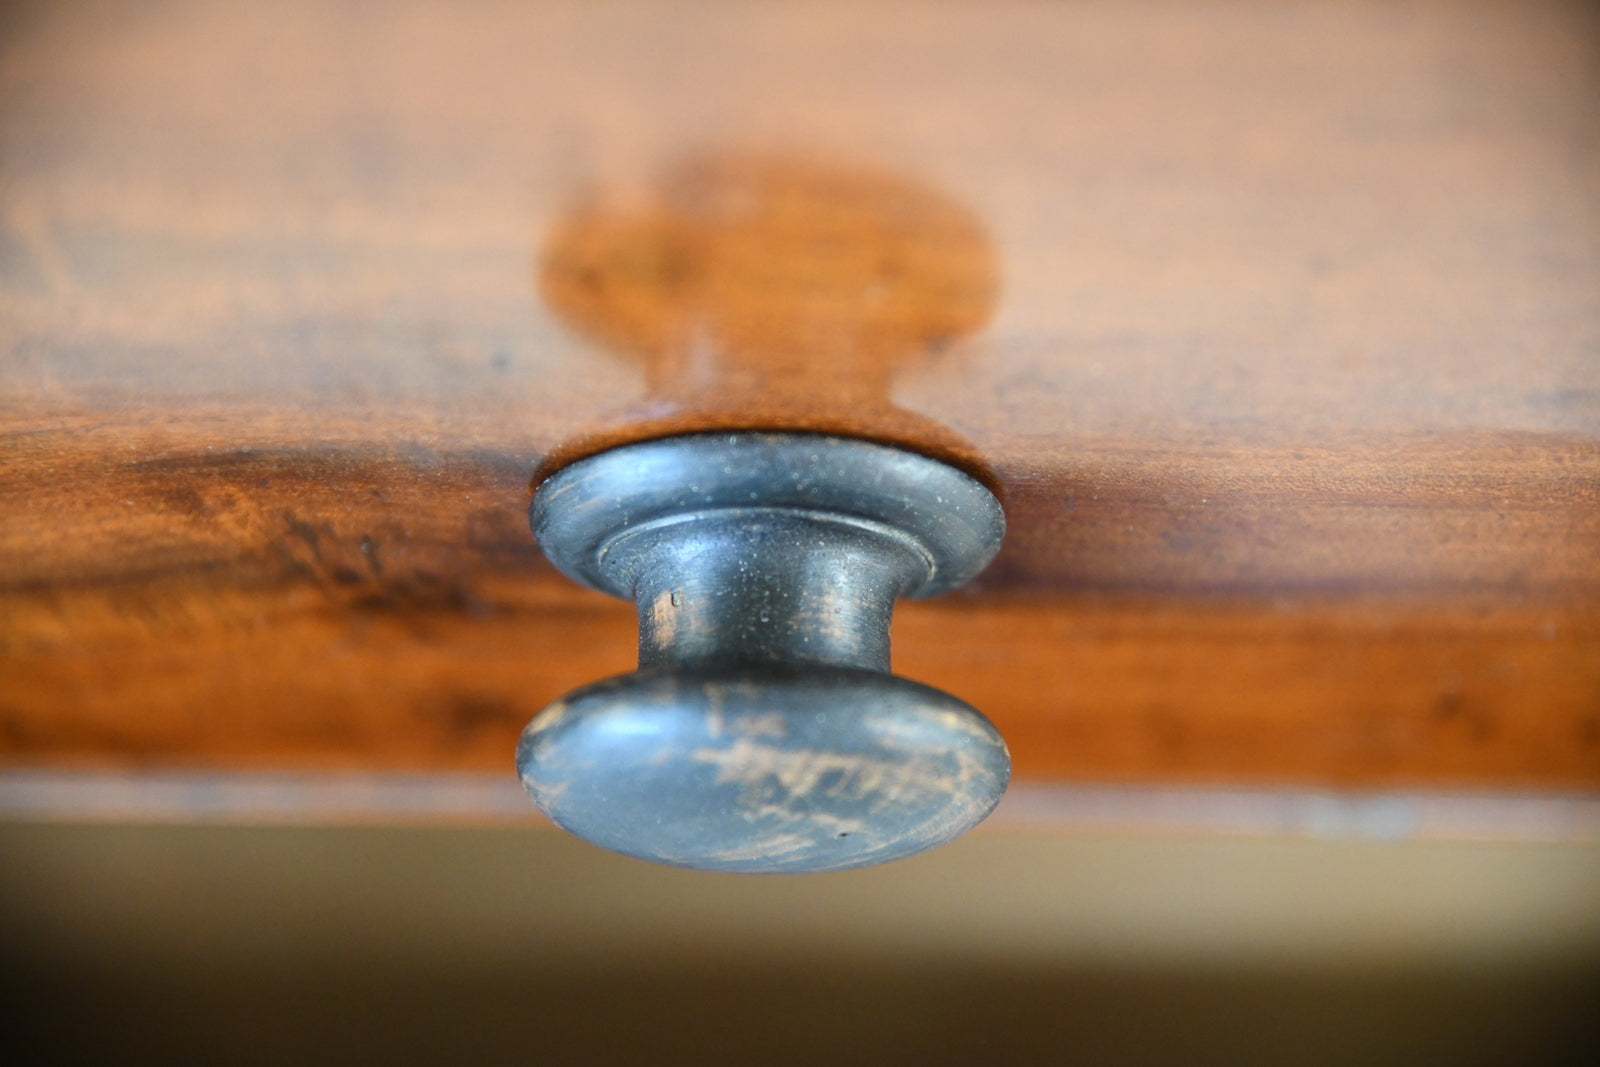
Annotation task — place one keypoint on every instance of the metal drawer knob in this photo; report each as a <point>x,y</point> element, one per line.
<point>762,731</point>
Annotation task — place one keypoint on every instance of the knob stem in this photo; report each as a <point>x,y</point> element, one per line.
<point>766,585</point>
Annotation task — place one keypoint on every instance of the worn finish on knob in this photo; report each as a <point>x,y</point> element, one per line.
<point>763,731</point>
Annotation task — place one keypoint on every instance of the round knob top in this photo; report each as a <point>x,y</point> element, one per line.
<point>765,770</point>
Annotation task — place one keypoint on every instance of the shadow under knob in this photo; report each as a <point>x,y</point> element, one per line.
<point>762,731</point>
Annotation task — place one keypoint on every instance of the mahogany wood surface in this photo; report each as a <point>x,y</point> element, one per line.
<point>1276,326</point>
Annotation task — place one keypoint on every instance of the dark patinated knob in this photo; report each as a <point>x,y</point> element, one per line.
<point>762,731</point>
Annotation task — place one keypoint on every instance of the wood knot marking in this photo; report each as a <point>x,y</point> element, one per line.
<point>748,274</point>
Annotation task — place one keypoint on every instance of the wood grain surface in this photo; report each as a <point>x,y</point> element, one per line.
<point>1276,326</point>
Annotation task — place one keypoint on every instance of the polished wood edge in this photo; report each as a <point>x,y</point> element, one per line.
<point>33,795</point>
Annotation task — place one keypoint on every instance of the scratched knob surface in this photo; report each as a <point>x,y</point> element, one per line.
<point>763,732</point>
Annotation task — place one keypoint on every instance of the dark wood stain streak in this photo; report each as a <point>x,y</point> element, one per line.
<point>130,625</point>
<point>135,665</point>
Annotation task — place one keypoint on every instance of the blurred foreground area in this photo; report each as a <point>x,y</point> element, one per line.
<point>280,944</point>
